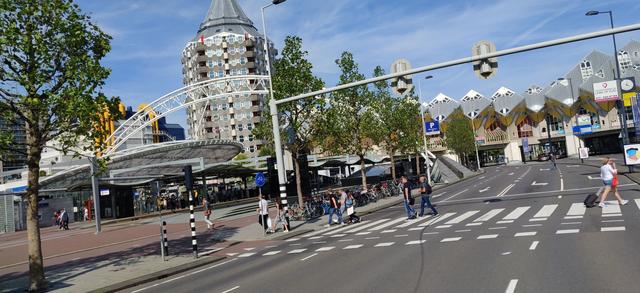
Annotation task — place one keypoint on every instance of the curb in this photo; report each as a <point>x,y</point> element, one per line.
<point>158,275</point>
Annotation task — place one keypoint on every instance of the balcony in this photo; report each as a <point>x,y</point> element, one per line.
<point>250,54</point>
<point>497,136</point>
<point>251,65</point>
<point>249,43</point>
<point>202,58</point>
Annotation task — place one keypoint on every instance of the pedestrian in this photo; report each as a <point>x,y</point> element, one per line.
<point>335,208</point>
<point>56,218</point>
<point>263,213</point>
<point>408,199</point>
<point>281,218</point>
<point>85,214</point>
<point>609,175</point>
<point>425,194</point>
<point>64,219</point>
<point>552,158</point>
<point>343,199</point>
<point>351,209</point>
<point>207,212</point>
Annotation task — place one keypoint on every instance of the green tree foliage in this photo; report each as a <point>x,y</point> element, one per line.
<point>350,125</point>
<point>459,136</point>
<point>398,120</point>
<point>50,53</point>
<point>293,76</point>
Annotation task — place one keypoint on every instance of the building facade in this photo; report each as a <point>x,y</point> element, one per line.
<point>543,118</point>
<point>16,159</point>
<point>227,44</point>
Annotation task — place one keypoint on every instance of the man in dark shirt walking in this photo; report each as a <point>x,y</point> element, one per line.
<point>408,200</point>
<point>425,194</point>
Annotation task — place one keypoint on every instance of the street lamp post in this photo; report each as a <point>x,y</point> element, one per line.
<point>424,131</point>
<point>282,179</point>
<point>475,142</point>
<point>620,105</point>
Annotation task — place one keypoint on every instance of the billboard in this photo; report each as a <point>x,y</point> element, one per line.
<point>605,91</point>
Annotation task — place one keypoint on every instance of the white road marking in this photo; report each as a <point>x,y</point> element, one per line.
<point>474,224</point>
<point>539,183</point>
<point>488,236</point>
<point>594,178</point>
<point>387,224</point>
<point>371,238</point>
<point>389,231</point>
<point>611,215</point>
<point>185,275</point>
<point>271,253</point>
<point>378,222</point>
<point>533,246</point>
<point>339,230</point>
<point>436,219</point>
<point>295,251</point>
<point>462,231</point>
<point>459,193</point>
<point>537,219</point>
<point>497,228</point>
<point>292,239</point>
<point>452,239</point>
<point>611,207</point>
<point>568,231</point>
<point>415,228</point>
<point>415,242</point>
<point>430,233</point>
<point>249,248</point>
<point>561,185</point>
<point>546,211</point>
<point>401,235</point>
<point>637,200</point>
<point>295,244</point>
<point>577,209</point>
<point>462,217</point>
<point>506,253</point>
<point>326,248</point>
<point>319,242</point>
<point>511,174</point>
<point>559,196</point>
<point>611,221</point>
<point>338,235</point>
<point>314,233</point>
<point>248,254</point>
<point>572,217</point>
<point>512,284</point>
<point>354,246</point>
<point>532,225</point>
<point>545,169</point>
<point>439,194</point>
<point>515,214</point>
<point>384,244</point>
<point>522,234</point>
<point>227,291</point>
<point>231,253</point>
<point>611,229</point>
<point>572,223</point>
<point>408,223</point>
<point>443,226</point>
<point>505,222</point>
<point>363,233</point>
<point>484,189</point>
<point>486,217</point>
<point>315,237</point>
<point>345,240</point>
<point>308,257</point>
<point>505,190</point>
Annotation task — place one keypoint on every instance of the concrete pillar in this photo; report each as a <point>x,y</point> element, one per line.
<point>573,142</point>
<point>512,152</point>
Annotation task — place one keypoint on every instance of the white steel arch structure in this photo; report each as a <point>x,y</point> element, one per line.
<point>193,94</point>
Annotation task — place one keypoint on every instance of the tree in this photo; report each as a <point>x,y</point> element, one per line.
<point>396,120</point>
<point>349,125</point>
<point>458,135</point>
<point>50,53</point>
<point>293,76</point>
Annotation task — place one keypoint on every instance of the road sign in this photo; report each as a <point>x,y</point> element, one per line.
<point>582,129</point>
<point>402,84</point>
<point>260,179</point>
<point>432,127</point>
<point>605,91</point>
<point>584,153</point>
<point>485,68</point>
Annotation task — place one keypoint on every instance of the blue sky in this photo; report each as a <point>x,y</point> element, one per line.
<point>149,35</point>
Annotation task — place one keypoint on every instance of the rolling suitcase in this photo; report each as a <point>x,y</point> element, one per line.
<point>590,201</point>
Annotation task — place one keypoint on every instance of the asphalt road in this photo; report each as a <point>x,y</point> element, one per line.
<point>513,229</point>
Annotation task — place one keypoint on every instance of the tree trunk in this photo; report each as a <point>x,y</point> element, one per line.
<point>363,172</point>
<point>417,164</point>
<point>37,281</point>
<point>393,167</point>
<point>296,166</point>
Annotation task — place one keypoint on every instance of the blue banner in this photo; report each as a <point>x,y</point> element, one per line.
<point>636,114</point>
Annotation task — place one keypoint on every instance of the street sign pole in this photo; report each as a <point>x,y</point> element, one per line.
<point>427,161</point>
<point>475,143</point>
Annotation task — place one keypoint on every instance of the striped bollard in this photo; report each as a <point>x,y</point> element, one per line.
<point>192,220</point>
<point>284,203</point>
<point>165,240</point>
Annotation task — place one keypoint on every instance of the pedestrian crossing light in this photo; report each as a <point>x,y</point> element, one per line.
<point>484,68</point>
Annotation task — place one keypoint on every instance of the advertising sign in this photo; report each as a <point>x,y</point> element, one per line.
<point>584,153</point>
<point>432,127</point>
<point>584,119</point>
<point>632,154</point>
<point>605,91</point>
<point>480,140</point>
<point>636,114</point>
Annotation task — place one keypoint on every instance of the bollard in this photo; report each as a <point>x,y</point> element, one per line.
<point>165,240</point>
<point>192,220</point>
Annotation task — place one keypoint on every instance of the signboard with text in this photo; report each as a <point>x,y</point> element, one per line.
<point>632,154</point>
<point>584,119</point>
<point>432,127</point>
<point>605,91</point>
<point>584,153</point>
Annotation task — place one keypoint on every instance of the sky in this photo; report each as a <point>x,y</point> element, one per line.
<point>149,35</point>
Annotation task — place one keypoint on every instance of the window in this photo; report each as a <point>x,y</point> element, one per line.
<point>625,60</point>
<point>251,137</point>
<point>585,69</point>
<point>241,138</point>
<point>212,74</point>
<point>252,149</point>
<point>208,118</point>
<point>525,128</point>
<point>555,124</point>
<point>220,73</point>
<point>209,129</point>
<point>210,63</point>
<point>209,53</point>
<point>249,126</point>
<point>240,128</point>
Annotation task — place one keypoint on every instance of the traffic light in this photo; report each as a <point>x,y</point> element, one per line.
<point>188,177</point>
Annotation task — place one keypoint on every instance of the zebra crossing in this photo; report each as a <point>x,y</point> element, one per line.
<point>528,215</point>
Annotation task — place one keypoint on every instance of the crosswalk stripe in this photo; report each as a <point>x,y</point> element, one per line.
<point>389,231</point>
<point>248,254</point>
<point>363,233</point>
<point>415,242</point>
<point>295,251</point>
<point>568,231</point>
<point>577,209</point>
<point>611,229</point>
<point>443,226</point>
<point>489,236</point>
<point>611,207</point>
<point>354,246</point>
<point>384,244</point>
<point>378,222</point>
<point>436,219</point>
<point>272,253</point>
<point>546,211</point>
<point>521,234</point>
<point>411,222</point>
<point>638,202</point>
<point>462,217</point>
<point>490,214</point>
<point>325,248</point>
<point>338,230</point>
<point>387,224</point>
<point>452,239</point>
<point>314,233</point>
<point>474,224</point>
<point>515,214</point>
